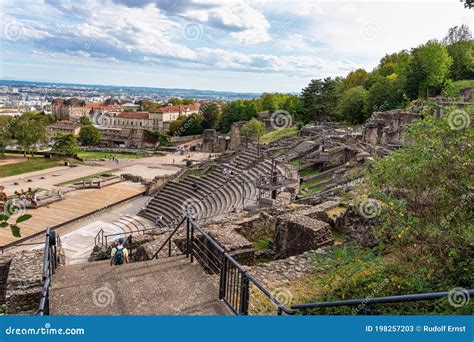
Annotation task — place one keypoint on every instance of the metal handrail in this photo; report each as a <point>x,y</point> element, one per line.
<point>168,241</point>
<point>51,260</point>
<point>296,308</point>
<point>378,300</point>
<point>281,307</point>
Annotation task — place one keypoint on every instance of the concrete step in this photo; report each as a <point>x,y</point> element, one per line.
<point>168,286</point>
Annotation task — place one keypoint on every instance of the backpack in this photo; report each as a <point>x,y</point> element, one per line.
<point>118,257</point>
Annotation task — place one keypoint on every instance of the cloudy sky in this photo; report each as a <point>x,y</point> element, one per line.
<point>250,46</point>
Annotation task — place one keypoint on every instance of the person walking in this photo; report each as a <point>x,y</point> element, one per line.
<point>119,254</point>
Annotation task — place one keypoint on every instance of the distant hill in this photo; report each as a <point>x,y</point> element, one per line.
<point>162,92</point>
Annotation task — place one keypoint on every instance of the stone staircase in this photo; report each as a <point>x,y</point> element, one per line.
<point>210,195</point>
<point>169,286</point>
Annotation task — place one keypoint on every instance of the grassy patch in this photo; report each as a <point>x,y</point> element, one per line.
<point>93,155</point>
<point>308,172</point>
<point>86,178</point>
<point>191,172</point>
<point>296,162</point>
<point>34,164</point>
<point>453,89</point>
<point>262,243</point>
<point>278,134</point>
<point>309,188</point>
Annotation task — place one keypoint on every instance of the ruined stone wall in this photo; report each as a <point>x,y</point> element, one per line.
<point>4,268</point>
<point>296,234</point>
<point>24,283</point>
<point>212,142</point>
<point>235,135</point>
<point>256,226</point>
<point>388,127</point>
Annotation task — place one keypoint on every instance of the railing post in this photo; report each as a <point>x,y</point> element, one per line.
<point>367,309</point>
<point>187,238</point>
<point>244,296</point>
<point>223,277</point>
<point>191,243</point>
<point>130,240</point>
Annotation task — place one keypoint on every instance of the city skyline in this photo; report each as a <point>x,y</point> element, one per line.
<point>207,45</point>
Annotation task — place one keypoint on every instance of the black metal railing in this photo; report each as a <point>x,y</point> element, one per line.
<point>366,304</point>
<point>50,263</point>
<point>245,295</point>
<point>234,282</point>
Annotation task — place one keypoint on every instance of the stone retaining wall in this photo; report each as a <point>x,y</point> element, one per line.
<point>5,261</point>
<point>24,283</point>
<point>296,234</point>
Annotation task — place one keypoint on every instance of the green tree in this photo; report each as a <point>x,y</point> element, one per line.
<point>253,129</point>
<point>5,132</point>
<point>89,136</point>
<point>458,34</point>
<point>85,121</point>
<point>429,70</point>
<point>187,101</point>
<point>186,125</point>
<point>65,145</point>
<point>235,111</point>
<point>353,79</point>
<point>426,189</point>
<point>353,105</point>
<point>319,99</point>
<point>462,54</point>
<point>162,139</point>
<point>29,131</point>
<point>210,115</point>
<point>384,95</point>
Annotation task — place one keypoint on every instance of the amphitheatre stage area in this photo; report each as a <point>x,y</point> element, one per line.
<point>64,194</point>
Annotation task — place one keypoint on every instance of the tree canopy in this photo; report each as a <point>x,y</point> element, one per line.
<point>89,136</point>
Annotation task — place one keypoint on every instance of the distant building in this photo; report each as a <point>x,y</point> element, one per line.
<point>70,109</point>
<point>162,117</point>
<point>135,120</point>
<point>63,127</point>
<point>10,111</point>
